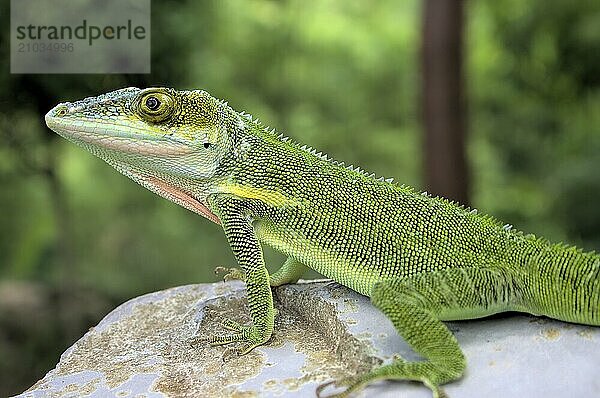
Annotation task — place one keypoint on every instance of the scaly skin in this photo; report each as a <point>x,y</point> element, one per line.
<point>421,259</point>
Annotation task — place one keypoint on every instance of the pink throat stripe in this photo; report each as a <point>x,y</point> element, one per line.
<point>189,202</point>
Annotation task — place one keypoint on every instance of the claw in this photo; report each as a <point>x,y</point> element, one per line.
<point>226,339</point>
<point>342,394</point>
<point>218,340</point>
<point>246,348</point>
<point>198,341</point>
<point>232,325</point>
<point>230,274</point>
<point>351,385</point>
<point>230,353</point>
<point>323,386</point>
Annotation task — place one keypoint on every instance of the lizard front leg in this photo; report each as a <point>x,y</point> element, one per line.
<point>235,216</point>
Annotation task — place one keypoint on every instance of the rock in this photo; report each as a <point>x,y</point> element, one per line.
<point>323,331</point>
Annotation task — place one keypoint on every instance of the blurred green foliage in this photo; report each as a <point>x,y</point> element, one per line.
<point>76,237</point>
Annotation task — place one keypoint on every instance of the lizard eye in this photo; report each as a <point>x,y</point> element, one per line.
<point>155,106</point>
<point>152,103</point>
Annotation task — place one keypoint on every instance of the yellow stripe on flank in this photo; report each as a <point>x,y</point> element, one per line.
<point>272,198</point>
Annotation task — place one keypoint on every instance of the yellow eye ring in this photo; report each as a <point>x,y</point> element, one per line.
<point>155,105</point>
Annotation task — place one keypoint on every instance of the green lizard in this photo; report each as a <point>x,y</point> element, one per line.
<point>421,259</point>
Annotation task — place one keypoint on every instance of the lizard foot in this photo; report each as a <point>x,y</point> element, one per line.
<point>231,274</point>
<point>250,336</point>
<point>351,385</point>
<point>395,371</point>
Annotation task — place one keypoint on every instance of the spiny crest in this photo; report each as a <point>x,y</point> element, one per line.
<point>283,138</point>
<point>486,218</point>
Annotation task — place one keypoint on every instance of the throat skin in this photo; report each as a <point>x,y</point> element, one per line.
<point>189,194</point>
<point>421,259</point>
<point>179,196</point>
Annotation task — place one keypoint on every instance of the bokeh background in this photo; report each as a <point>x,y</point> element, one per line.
<point>347,77</point>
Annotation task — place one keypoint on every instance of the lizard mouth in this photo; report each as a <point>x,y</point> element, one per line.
<point>115,137</point>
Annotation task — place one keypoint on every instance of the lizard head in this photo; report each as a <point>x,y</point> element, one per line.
<point>181,133</point>
<point>162,138</point>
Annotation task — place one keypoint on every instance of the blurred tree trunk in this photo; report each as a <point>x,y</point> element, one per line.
<point>443,99</point>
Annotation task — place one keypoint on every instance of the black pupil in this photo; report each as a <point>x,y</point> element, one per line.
<point>152,103</point>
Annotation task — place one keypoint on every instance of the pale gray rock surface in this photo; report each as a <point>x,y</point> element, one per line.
<point>323,331</point>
